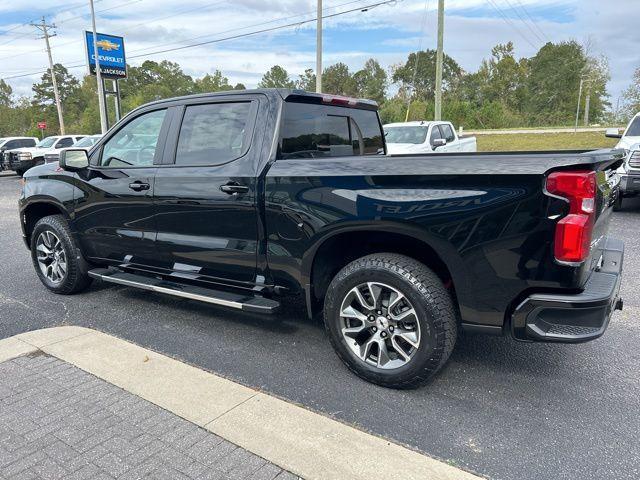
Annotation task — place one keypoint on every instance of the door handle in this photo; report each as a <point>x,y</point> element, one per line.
<point>139,186</point>
<point>232,188</point>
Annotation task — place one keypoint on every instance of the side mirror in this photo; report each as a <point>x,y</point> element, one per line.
<point>74,160</point>
<point>612,133</point>
<point>438,142</point>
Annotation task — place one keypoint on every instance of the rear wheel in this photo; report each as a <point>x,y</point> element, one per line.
<point>20,172</point>
<point>617,206</point>
<point>58,262</point>
<point>390,320</point>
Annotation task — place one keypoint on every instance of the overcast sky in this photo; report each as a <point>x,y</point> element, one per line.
<point>387,32</point>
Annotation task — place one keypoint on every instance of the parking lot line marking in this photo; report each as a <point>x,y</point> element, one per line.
<point>306,443</point>
<point>13,347</point>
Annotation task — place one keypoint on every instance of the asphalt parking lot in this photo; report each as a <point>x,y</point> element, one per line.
<point>503,409</point>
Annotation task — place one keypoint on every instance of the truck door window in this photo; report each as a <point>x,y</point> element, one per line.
<point>64,142</point>
<point>447,132</point>
<point>134,145</point>
<point>436,134</point>
<point>634,128</point>
<point>314,131</point>
<point>214,133</point>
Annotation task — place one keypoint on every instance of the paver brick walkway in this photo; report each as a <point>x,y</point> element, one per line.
<point>59,422</point>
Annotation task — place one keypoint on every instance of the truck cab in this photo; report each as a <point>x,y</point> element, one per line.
<point>629,171</point>
<point>426,137</point>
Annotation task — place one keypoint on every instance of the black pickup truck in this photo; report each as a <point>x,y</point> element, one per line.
<point>243,199</point>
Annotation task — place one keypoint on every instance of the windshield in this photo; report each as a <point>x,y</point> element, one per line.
<point>415,135</point>
<point>47,142</point>
<point>634,128</point>
<point>86,142</point>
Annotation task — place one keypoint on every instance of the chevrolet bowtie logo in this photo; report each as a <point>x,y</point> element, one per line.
<point>108,45</point>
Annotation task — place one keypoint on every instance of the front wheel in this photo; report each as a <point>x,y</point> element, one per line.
<point>617,206</point>
<point>58,262</point>
<point>390,320</point>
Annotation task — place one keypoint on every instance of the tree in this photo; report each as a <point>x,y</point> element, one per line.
<point>371,81</point>
<point>503,77</point>
<point>276,77</point>
<point>337,80</point>
<point>154,81</point>
<point>239,86</point>
<point>67,86</point>
<point>6,93</point>
<point>632,95</point>
<point>215,82</point>
<point>422,79</point>
<point>553,84</point>
<point>307,81</point>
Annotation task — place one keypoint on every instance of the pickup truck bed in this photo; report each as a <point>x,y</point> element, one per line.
<point>396,252</point>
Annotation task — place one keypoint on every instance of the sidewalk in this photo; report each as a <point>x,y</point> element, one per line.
<point>76,403</point>
<point>57,421</point>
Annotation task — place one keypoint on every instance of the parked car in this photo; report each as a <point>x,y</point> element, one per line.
<point>426,137</point>
<point>630,136</point>
<point>629,171</point>
<point>85,143</point>
<point>22,159</point>
<point>244,199</point>
<point>9,143</point>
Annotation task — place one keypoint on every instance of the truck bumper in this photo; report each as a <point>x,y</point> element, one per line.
<point>574,318</point>
<point>630,184</point>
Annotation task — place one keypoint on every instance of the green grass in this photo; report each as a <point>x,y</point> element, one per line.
<point>544,141</point>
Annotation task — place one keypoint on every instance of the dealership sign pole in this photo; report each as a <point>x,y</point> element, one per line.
<point>101,98</point>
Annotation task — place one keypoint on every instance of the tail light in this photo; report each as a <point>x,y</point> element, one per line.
<point>573,232</point>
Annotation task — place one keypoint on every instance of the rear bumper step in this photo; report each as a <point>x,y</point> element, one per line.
<point>574,318</point>
<point>247,303</point>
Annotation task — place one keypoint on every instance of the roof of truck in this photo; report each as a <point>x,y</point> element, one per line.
<point>283,93</point>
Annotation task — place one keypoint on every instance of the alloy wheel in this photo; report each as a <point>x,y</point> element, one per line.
<point>52,258</point>
<point>380,325</point>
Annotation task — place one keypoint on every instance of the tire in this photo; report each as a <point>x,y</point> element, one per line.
<point>431,328</point>
<point>19,172</point>
<point>617,206</point>
<point>53,234</point>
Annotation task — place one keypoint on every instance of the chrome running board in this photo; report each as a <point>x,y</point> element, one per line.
<point>247,303</point>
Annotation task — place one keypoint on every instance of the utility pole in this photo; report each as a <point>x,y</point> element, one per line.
<point>579,100</point>
<point>319,49</point>
<point>101,99</point>
<point>43,28</point>
<point>587,106</point>
<point>439,61</point>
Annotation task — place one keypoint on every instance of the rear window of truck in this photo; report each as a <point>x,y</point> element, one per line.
<point>318,131</point>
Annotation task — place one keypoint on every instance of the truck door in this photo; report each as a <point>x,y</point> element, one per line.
<point>205,192</point>
<point>450,137</point>
<point>114,211</point>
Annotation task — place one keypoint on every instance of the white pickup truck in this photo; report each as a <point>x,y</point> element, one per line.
<point>629,172</point>
<point>426,137</point>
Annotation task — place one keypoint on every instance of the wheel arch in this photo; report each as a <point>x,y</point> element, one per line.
<point>37,209</point>
<point>321,263</point>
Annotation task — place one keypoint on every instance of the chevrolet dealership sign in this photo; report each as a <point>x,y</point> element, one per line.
<point>111,55</point>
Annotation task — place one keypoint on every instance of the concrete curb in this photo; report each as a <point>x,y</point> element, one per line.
<point>306,443</point>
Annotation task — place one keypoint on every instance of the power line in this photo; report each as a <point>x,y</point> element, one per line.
<point>81,63</point>
<point>535,24</point>
<point>524,21</point>
<point>508,21</point>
